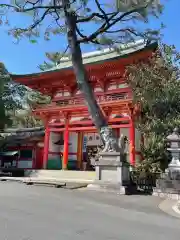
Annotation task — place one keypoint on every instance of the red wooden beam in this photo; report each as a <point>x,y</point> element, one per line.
<point>80,114</point>
<point>89,122</point>
<point>79,108</point>
<point>89,128</point>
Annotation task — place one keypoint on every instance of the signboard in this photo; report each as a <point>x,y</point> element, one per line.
<point>84,144</point>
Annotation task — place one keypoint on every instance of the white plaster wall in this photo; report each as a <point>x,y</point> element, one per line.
<point>76,119</point>
<point>97,89</point>
<point>60,94</point>
<point>54,137</point>
<point>73,145</point>
<point>111,87</point>
<point>66,94</point>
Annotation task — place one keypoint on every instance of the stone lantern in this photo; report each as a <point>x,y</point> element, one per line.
<point>174,148</point>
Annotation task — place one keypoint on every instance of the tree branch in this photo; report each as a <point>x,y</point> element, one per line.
<point>104,27</point>
<point>63,54</point>
<point>102,11</point>
<point>35,24</point>
<point>95,41</point>
<point>132,31</point>
<point>19,9</point>
<point>89,18</point>
<point>46,65</point>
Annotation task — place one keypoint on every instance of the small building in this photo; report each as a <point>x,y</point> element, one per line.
<point>20,148</point>
<point>69,129</point>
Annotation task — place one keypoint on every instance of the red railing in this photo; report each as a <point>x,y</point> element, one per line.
<point>100,97</point>
<point>114,95</point>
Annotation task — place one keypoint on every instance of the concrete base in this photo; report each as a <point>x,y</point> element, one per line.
<point>108,187</point>
<point>111,173</point>
<point>62,175</point>
<point>110,168</point>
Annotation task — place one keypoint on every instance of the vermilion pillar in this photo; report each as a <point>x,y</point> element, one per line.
<point>46,147</point>
<point>132,143</point>
<point>66,145</point>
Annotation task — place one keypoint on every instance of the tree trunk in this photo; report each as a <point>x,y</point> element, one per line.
<point>106,133</point>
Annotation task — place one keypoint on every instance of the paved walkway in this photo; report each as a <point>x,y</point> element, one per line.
<point>44,213</point>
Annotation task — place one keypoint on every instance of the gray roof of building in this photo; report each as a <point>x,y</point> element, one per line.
<point>105,54</point>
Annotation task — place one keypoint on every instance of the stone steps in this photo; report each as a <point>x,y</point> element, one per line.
<point>61,175</point>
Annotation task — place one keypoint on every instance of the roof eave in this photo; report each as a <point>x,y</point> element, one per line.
<point>152,46</point>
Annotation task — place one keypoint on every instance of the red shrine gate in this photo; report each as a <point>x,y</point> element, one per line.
<point>68,112</point>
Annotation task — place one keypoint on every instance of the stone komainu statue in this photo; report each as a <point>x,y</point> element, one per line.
<point>110,144</point>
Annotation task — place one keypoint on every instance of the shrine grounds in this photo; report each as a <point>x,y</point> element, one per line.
<point>44,213</point>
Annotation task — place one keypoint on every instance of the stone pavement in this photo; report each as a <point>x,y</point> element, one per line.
<point>31,213</point>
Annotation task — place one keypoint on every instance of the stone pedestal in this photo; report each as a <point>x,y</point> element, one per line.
<point>112,173</point>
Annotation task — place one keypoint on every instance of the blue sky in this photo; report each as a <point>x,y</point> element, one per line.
<point>24,57</point>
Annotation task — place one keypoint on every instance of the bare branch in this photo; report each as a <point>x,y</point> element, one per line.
<point>89,18</point>
<point>95,41</point>
<point>104,27</point>
<point>37,22</point>
<point>102,11</point>
<point>124,30</point>
<point>93,15</point>
<point>34,25</point>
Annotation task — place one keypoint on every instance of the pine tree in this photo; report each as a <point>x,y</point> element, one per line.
<point>111,27</point>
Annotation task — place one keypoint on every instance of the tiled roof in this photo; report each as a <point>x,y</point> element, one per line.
<point>108,53</point>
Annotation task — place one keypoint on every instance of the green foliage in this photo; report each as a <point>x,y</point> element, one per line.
<point>156,87</point>
<point>13,95</point>
<point>4,79</point>
<point>16,102</point>
<point>25,120</point>
<point>36,98</point>
<point>33,41</point>
<point>155,155</point>
<point>109,21</point>
<point>54,59</point>
<point>23,117</point>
